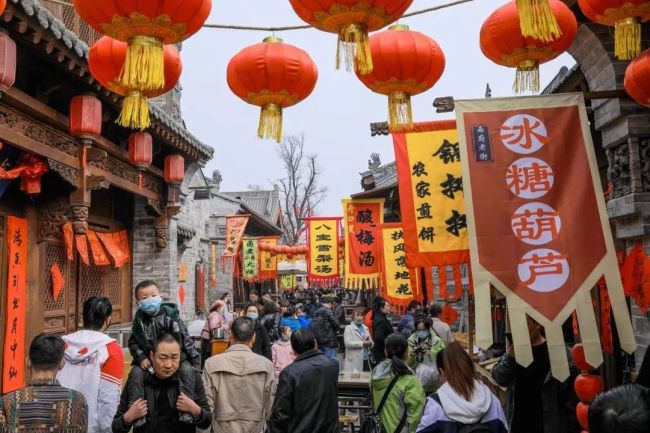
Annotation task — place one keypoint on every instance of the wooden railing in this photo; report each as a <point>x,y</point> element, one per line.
<point>72,21</point>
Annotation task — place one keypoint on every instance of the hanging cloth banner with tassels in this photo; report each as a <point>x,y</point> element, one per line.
<point>213,265</point>
<point>362,250</point>
<point>235,227</point>
<point>399,283</point>
<point>268,260</point>
<point>532,190</point>
<point>323,259</point>
<point>251,268</point>
<point>431,198</point>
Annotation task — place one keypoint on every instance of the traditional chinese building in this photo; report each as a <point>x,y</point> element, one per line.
<point>88,182</point>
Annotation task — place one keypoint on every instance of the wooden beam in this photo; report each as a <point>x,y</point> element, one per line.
<point>29,145</point>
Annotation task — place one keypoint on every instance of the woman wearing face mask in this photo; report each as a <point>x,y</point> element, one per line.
<point>424,345</point>
<point>282,352</point>
<point>216,320</point>
<point>262,345</point>
<point>357,344</point>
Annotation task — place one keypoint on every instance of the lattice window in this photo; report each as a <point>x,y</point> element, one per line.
<point>100,281</point>
<point>54,254</point>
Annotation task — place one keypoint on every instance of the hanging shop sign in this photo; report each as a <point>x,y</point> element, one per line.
<point>362,249</point>
<point>532,189</point>
<point>323,261</point>
<point>250,256</point>
<point>399,282</point>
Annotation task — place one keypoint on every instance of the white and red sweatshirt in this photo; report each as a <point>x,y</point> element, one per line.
<point>94,366</point>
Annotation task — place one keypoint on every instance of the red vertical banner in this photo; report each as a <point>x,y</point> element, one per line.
<point>13,361</point>
<point>362,252</point>
<point>537,221</point>
<point>323,258</point>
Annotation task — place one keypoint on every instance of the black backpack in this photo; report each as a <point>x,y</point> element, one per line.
<point>372,423</point>
<point>320,327</point>
<point>476,427</point>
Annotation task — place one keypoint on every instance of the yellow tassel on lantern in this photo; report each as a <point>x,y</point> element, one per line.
<point>537,20</point>
<point>400,113</point>
<point>144,67</point>
<point>354,47</point>
<point>270,125</point>
<point>627,38</point>
<point>527,79</point>
<point>135,111</point>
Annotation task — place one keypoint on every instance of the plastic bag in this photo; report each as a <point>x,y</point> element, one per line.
<point>427,372</point>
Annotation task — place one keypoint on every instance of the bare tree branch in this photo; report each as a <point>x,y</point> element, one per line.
<point>300,191</point>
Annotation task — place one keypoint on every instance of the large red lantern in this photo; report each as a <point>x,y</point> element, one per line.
<point>7,58</point>
<point>174,170</point>
<point>625,16</point>
<point>145,25</point>
<point>351,20</point>
<point>140,152</point>
<point>272,75</point>
<point>503,43</point>
<point>105,61</point>
<point>637,79</point>
<point>406,63</point>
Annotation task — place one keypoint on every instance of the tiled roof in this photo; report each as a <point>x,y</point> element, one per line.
<point>263,203</point>
<point>56,27</point>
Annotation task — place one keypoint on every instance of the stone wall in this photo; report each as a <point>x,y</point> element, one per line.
<point>625,129</point>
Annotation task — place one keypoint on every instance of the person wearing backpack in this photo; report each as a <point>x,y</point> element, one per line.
<point>462,404</point>
<point>325,328</point>
<point>397,395</point>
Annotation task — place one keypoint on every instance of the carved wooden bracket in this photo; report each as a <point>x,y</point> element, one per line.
<point>85,183</point>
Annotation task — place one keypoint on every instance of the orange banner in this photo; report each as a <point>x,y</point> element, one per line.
<point>81,242</point>
<point>268,260</point>
<point>112,244</point>
<point>235,227</point>
<point>362,251</point>
<point>99,255</point>
<point>68,238</point>
<point>13,361</point>
<point>323,261</point>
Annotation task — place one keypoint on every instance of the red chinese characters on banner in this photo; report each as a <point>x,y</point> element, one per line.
<point>362,247</point>
<point>13,361</point>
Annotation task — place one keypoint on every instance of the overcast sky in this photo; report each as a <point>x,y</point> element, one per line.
<point>336,117</point>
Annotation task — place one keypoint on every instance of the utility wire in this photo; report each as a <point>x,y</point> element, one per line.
<point>302,27</point>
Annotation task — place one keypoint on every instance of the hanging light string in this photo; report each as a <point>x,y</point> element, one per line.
<point>302,27</point>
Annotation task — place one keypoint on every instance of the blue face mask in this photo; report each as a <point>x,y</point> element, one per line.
<point>423,334</point>
<point>151,306</point>
<point>253,316</point>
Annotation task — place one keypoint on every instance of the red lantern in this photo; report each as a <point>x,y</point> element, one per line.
<point>272,75</point>
<point>351,20</point>
<point>7,58</point>
<point>174,170</point>
<point>105,60</point>
<point>406,63</point>
<point>85,117</point>
<point>503,43</point>
<point>140,152</point>
<point>637,79</point>
<point>588,386</point>
<point>625,16</point>
<point>146,25</point>
<point>582,412</point>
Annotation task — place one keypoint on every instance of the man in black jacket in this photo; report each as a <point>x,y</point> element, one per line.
<point>164,400</point>
<point>326,328</point>
<point>306,400</point>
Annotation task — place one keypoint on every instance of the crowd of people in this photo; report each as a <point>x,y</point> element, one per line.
<point>280,374</point>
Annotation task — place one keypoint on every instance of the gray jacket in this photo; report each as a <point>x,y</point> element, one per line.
<point>557,397</point>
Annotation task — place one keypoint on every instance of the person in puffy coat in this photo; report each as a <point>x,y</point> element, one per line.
<point>462,400</point>
<point>358,343</point>
<point>216,320</point>
<point>404,405</point>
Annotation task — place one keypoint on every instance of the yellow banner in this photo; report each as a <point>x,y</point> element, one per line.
<point>287,281</point>
<point>399,284</point>
<point>268,260</point>
<point>323,263</point>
